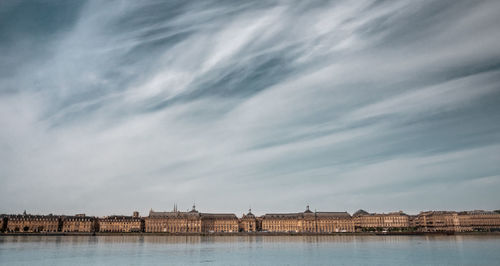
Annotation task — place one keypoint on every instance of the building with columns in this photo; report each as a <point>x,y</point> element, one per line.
<point>3,223</point>
<point>33,223</point>
<point>121,224</point>
<point>365,221</point>
<point>437,221</point>
<point>190,222</point>
<point>479,220</point>
<point>219,223</point>
<point>248,222</point>
<point>173,222</point>
<point>301,222</point>
<point>79,223</point>
<point>308,222</point>
<point>328,222</point>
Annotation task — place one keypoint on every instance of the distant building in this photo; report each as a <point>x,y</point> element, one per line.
<point>258,223</point>
<point>280,222</point>
<point>365,221</point>
<point>302,222</point>
<point>413,222</point>
<point>3,223</point>
<point>173,222</point>
<point>33,223</point>
<point>328,222</point>
<point>190,222</point>
<point>79,223</point>
<point>308,221</point>
<point>479,220</point>
<point>122,224</point>
<point>248,222</point>
<point>219,222</point>
<point>438,221</point>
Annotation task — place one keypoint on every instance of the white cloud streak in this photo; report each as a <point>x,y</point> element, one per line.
<point>341,105</point>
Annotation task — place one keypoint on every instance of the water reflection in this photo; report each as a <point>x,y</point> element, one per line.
<point>196,239</point>
<point>249,250</point>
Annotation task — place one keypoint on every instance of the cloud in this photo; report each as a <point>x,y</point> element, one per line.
<point>117,106</point>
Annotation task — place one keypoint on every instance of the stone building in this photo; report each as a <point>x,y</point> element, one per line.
<point>248,222</point>
<point>438,221</point>
<point>122,224</point>
<point>3,223</point>
<point>219,222</point>
<point>479,220</point>
<point>190,222</point>
<point>365,221</point>
<point>79,223</point>
<point>333,222</point>
<point>308,222</point>
<point>173,222</point>
<point>33,223</point>
<point>412,220</point>
<point>280,222</point>
<point>258,223</point>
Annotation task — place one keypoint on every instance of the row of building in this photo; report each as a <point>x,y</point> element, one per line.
<point>302,222</point>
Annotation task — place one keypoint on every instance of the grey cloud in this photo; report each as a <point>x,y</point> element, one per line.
<point>111,106</point>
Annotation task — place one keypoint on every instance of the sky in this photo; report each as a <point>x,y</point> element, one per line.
<point>107,107</point>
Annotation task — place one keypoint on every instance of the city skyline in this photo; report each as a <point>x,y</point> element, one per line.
<point>127,105</point>
<point>195,222</point>
<point>176,208</point>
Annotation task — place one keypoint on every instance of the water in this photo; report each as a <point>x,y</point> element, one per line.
<point>250,250</point>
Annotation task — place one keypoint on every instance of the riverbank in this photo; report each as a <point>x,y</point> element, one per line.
<point>248,234</point>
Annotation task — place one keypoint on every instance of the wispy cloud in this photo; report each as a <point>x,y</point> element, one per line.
<point>112,106</point>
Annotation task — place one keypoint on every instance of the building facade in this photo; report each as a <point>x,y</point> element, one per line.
<point>301,222</point>
<point>308,222</point>
<point>219,223</point>
<point>479,220</point>
<point>79,223</point>
<point>365,221</point>
<point>173,222</point>
<point>438,221</point>
<point>33,223</point>
<point>280,222</point>
<point>190,222</point>
<point>120,224</point>
<point>3,223</point>
<point>334,222</point>
<point>248,222</point>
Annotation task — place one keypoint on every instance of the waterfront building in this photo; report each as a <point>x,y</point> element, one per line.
<point>33,223</point>
<point>301,222</point>
<point>173,222</point>
<point>365,221</point>
<point>479,220</point>
<point>3,223</point>
<point>280,222</point>
<point>120,223</point>
<point>79,223</point>
<point>219,223</point>
<point>412,220</point>
<point>258,223</point>
<point>333,222</point>
<point>248,222</point>
<point>308,222</point>
<point>438,221</point>
<point>190,222</point>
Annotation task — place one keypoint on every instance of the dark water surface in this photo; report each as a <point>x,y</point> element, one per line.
<point>250,250</point>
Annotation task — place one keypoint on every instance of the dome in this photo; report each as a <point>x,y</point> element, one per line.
<point>250,214</point>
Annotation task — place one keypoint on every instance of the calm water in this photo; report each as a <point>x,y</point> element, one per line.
<point>250,250</point>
